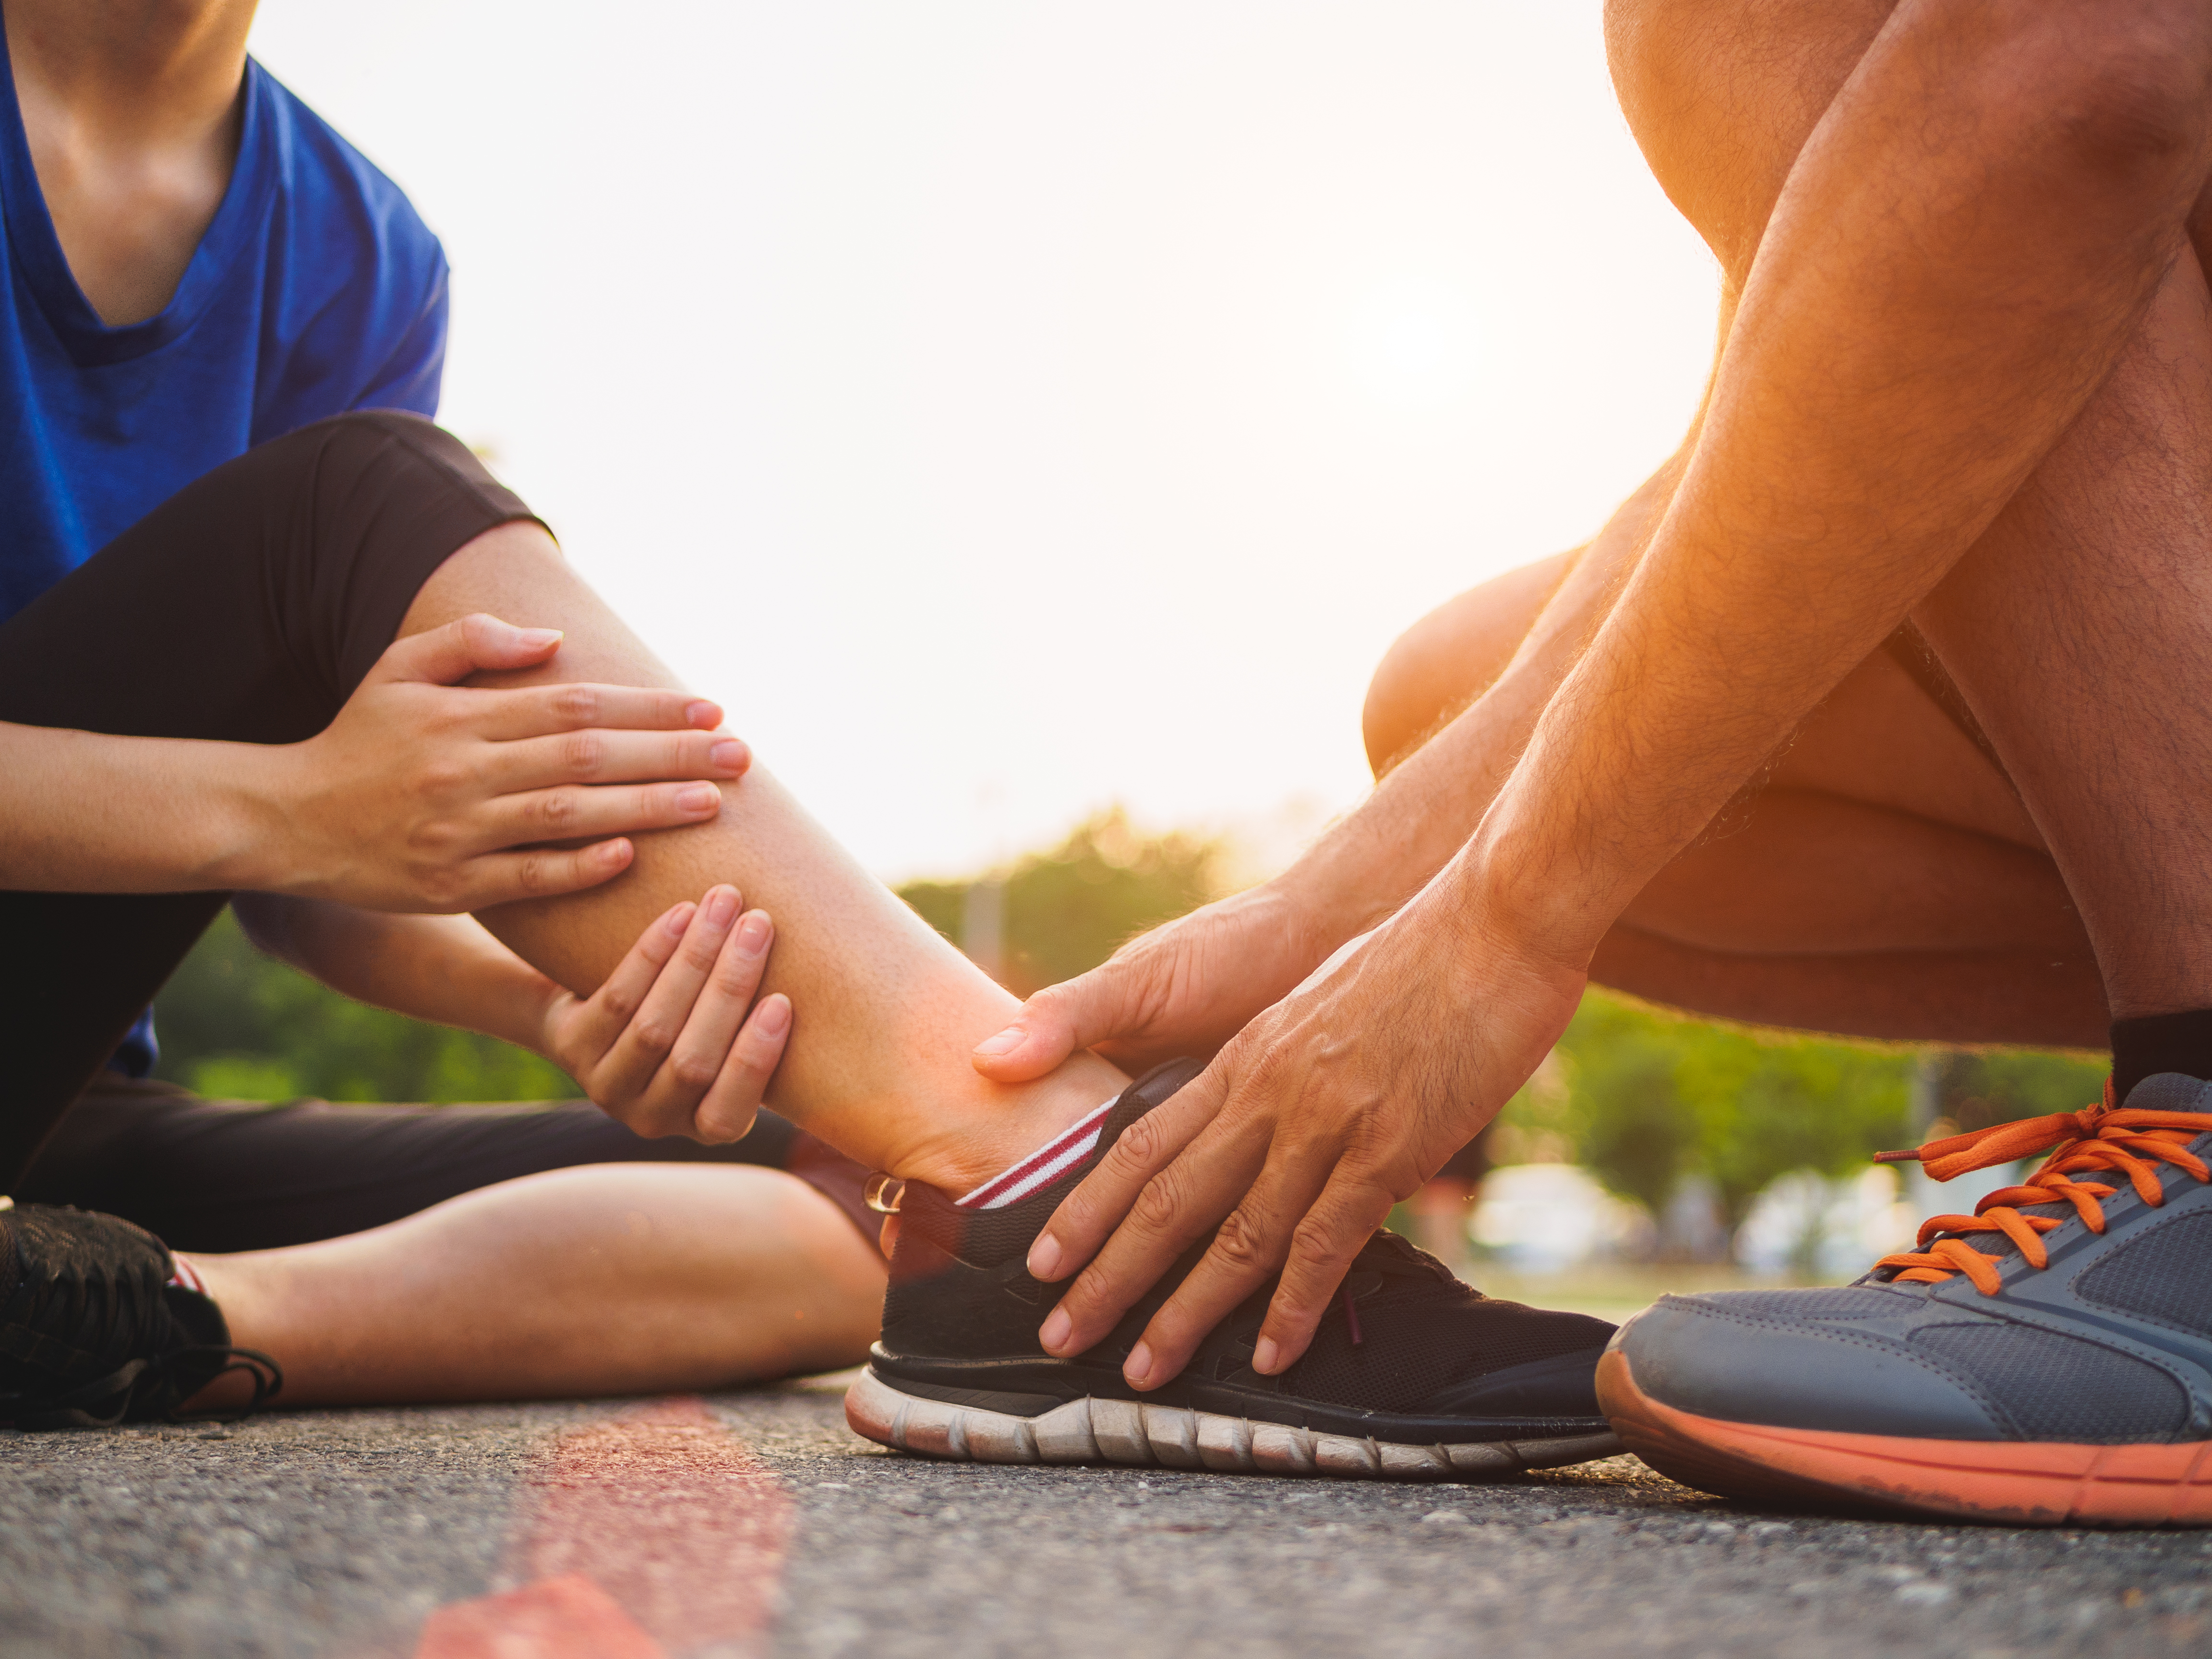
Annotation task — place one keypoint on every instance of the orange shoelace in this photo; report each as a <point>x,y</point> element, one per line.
<point>2106,1139</point>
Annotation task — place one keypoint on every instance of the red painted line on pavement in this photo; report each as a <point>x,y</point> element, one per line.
<point>660,1519</point>
<point>568,1617</point>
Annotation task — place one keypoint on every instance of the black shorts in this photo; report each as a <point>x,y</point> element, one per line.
<point>227,1175</point>
<point>246,607</point>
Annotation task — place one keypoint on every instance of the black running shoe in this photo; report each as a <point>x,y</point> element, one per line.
<point>1413,1377</point>
<point>92,1334</point>
<point>2047,1359</point>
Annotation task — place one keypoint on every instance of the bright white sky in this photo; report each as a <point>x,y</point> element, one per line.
<point>1007,408</point>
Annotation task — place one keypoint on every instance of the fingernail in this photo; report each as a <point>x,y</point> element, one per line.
<point>729,754</point>
<point>773,1019</point>
<point>697,797</point>
<point>702,716</point>
<point>1264,1353</point>
<point>537,639</point>
<point>1057,1325</point>
<point>1044,1258</point>
<point>752,935</point>
<point>1005,1043</point>
<point>680,918</point>
<point>613,852</point>
<point>1139,1365</point>
<point>721,905</point>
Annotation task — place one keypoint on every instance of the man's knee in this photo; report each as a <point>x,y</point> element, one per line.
<point>1447,659</point>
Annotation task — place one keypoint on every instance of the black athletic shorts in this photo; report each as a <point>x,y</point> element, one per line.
<point>246,607</point>
<point>228,1175</point>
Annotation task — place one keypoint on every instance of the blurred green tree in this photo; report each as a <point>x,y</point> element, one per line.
<point>1975,1089</point>
<point>236,1025</point>
<point>1647,1098</point>
<point>1065,911</point>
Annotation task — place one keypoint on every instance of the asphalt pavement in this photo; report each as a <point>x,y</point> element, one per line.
<point>755,1523</point>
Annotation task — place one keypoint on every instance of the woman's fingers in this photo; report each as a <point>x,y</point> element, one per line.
<point>583,811</point>
<point>540,872</point>
<point>468,645</point>
<point>718,1010</point>
<point>598,757</point>
<point>633,1062</point>
<point>727,1114</point>
<point>595,1024</point>
<point>540,711</point>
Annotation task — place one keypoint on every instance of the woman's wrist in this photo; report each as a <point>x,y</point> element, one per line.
<point>248,812</point>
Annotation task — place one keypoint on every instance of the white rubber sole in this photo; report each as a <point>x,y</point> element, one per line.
<point>1093,1430</point>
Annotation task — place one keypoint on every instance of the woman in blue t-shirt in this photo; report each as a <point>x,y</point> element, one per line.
<point>209,546</point>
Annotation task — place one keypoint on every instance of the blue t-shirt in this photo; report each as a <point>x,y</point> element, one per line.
<point>315,290</point>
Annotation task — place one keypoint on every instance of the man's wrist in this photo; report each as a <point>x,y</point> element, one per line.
<point>1322,903</point>
<point>1515,889</point>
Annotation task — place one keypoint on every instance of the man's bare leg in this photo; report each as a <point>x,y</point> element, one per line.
<point>886,1012</point>
<point>1886,883</point>
<point>610,1278</point>
<point>1890,882</point>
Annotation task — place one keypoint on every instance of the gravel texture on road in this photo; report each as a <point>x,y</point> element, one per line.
<point>338,1533</point>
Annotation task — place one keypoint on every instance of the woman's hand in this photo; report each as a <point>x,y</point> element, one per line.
<point>425,795</point>
<point>666,1045</point>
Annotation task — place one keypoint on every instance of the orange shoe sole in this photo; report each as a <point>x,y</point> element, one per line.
<point>2019,1483</point>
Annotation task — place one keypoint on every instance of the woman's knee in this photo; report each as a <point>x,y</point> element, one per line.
<point>1443,662</point>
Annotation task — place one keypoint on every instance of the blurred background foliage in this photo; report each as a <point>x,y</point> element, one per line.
<point>1645,1100</point>
<point>239,1026</point>
<point>1063,912</point>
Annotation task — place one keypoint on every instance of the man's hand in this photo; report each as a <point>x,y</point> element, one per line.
<point>1323,1112</point>
<point>419,795</point>
<point>1184,988</point>
<point>666,1045</point>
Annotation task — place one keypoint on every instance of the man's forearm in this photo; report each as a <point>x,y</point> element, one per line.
<point>1961,252</point>
<point>1425,808</point>
<point>85,812</point>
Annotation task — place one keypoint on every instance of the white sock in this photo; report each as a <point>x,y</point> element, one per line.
<point>181,1275</point>
<point>1042,1167</point>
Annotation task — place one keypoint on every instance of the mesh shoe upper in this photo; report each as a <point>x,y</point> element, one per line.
<point>1403,1335</point>
<point>91,1332</point>
<point>2077,1308</point>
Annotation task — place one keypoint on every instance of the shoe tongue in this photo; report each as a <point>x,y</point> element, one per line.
<point>2169,1091</point>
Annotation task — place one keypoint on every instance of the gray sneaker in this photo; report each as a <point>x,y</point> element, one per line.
<point>2047,1360</point>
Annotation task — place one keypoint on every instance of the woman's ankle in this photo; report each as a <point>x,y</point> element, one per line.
<point>963,1150</point>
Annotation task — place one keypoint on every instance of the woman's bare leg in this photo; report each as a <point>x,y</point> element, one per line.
<point>886,1012</point>
<point>609,1279</point>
